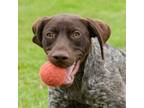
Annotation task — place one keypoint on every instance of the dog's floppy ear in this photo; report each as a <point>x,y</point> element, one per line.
<point>37,29</point>
<point>98,29</point>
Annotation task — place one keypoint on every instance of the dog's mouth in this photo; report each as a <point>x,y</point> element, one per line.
<point>71,72</point>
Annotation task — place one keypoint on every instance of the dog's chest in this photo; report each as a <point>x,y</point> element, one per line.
<point>74,94</point>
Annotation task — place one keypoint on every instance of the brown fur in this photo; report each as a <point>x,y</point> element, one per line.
<point>63,50</point>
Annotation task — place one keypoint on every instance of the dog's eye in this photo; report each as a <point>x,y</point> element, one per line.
<point>76,35</point>
<point>50,35</point>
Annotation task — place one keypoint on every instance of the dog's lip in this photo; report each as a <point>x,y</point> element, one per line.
<point>71,71</point>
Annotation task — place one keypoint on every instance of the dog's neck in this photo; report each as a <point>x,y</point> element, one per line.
<point>93,57</point>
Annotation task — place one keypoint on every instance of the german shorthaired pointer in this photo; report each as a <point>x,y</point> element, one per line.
<point>97,78</point>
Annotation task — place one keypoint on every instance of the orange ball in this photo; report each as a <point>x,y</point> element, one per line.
<point>52,75</point>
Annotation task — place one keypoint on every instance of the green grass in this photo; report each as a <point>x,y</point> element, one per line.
<point>32,94</point>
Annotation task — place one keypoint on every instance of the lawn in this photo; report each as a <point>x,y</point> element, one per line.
<point>32,94</point>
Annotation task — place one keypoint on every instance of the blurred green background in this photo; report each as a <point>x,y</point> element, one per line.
<point>32,94</point>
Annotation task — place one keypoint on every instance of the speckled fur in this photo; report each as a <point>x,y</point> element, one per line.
<point>98,84</point>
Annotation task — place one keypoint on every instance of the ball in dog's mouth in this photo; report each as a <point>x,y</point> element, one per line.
<point>56,76</point>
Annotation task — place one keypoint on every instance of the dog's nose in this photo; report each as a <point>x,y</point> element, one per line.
<point>60,56</point>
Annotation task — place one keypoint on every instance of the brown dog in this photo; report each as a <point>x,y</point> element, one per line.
<point>77,44</point>
<point>66,39</point>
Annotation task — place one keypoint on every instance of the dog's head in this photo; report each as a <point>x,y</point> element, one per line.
<point>66,40</point>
